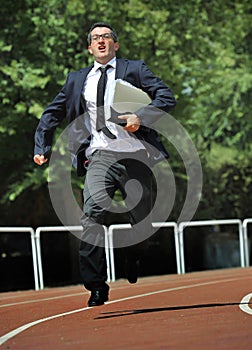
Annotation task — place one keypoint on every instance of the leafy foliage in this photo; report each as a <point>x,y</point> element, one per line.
<point>201,49</point>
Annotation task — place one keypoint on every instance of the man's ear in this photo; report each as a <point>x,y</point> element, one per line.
<point>117,46</point>
<point>90,50</point>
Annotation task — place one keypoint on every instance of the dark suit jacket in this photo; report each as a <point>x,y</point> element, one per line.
<point>70,104</point>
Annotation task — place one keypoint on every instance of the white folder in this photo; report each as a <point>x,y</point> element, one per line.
<point>127,94</point>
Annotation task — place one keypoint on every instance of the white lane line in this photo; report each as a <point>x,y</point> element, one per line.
<point>18,330</point>
<point>43,299</point>
<point>54,298</point>
<point>80,293</point>
<point>244,304</point>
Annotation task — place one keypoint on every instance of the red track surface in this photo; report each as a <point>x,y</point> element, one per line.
<point>192,311</point>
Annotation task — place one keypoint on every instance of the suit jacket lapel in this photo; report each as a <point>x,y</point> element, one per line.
<point>79,102</point>
<point>121,66</point>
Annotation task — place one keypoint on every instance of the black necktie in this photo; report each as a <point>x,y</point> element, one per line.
<point>100,121</point>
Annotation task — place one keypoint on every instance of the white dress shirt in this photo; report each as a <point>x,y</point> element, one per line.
<point>125,141</point>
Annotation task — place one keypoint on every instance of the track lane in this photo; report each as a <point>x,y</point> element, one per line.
<point>144,310</point>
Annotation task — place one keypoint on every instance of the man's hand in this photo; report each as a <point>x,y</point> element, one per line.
<point>133,122</point>
<point>39,159</point>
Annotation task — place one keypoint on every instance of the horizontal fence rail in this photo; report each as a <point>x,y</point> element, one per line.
<point>183,225</point>
<point>40,230</point>
<point>112,228</point>
<point>245,238</point>
<point>178,231</point>
<point>33,247</point>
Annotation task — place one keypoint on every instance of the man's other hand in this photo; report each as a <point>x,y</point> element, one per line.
<point>39,159</point>
<point>133,122</point>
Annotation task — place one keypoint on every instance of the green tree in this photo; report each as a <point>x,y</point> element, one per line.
<point>201,49</point>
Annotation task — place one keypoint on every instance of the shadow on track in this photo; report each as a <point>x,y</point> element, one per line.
<point>121,313</point>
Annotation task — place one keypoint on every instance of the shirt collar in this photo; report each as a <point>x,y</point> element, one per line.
<point>112,63</point>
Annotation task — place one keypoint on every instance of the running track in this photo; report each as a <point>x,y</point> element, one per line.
<point>202,310</point>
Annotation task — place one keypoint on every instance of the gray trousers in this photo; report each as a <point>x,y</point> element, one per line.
<point>107,172</point>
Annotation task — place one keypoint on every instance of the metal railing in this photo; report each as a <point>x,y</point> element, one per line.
<point>245,238</point>
<point>178,230</point>
<point>183,225</point>
<point>40,230</point>
<point>33,247</point>
<point>112,228</point>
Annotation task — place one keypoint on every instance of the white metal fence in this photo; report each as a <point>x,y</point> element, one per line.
<point>112,228</point>
<point>178,231</point>
<point>182,226</point>
<point>30,231</point>
<point>57,229</point>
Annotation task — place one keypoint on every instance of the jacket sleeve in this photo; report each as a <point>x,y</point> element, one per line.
<point>162,97</point>
<point>50,120</point>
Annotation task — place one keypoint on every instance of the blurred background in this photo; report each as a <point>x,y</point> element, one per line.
<point>201,49</point>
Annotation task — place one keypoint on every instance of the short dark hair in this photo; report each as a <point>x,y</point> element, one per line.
<point>101,24</point>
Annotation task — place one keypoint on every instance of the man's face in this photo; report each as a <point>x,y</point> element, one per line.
<point>103,49</point>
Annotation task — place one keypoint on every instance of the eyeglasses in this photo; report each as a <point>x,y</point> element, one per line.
<point>105,36</point>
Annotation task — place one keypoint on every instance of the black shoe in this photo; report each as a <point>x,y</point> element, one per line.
<point>131,270</point>
<point>98,297</point>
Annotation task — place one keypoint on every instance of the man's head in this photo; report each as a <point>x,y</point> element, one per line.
<point>103,25</point>
<point>102,42</point>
